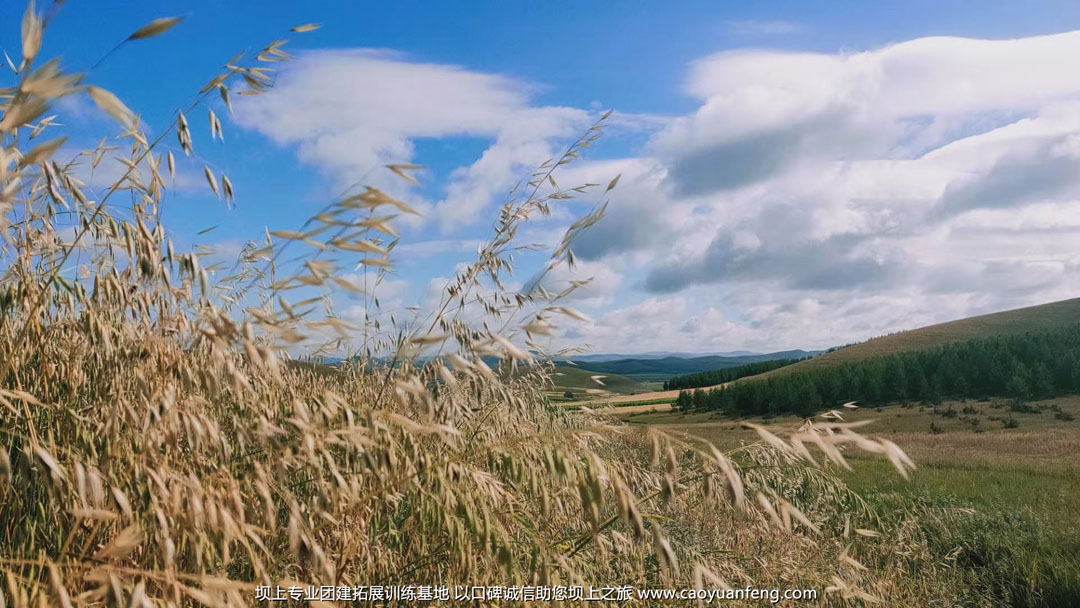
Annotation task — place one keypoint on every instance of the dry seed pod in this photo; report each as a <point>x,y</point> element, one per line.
<point>155,28</point>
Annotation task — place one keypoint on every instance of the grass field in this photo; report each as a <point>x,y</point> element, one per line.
<point>998,502</point>
<point>587,384</point>
<point>1009,322</point>
<point>155,449</point>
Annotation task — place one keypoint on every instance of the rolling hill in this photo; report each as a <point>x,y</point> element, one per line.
<point>666,367</point>
<point>1010,322</point>
<point>592,357</point>
<point>577,380</point>
<point>1043,317</point>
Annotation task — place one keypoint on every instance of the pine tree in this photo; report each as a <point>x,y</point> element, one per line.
<point>897,381</point>
<point>683,401</point>
<point>1019,385</point>
<point>1042,382</point>
<point>1031,365</point>
<point>698,402</point>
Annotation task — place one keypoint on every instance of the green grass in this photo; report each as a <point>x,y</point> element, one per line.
<point>998,503</point>
<point>655,378</point>
<point>1013,529</point>
<point>1010,322</point>
<point>578,405</point>
<point>577,380</point>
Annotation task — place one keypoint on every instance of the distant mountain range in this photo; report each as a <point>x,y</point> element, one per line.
<point>662,366</point>
<point>658,355</point>
<point>330,360</point>
<point>654,365</point>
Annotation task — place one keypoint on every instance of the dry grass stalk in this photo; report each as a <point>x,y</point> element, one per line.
<point>158,448</point>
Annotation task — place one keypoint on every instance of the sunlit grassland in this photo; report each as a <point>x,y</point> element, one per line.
<point>585,384</point>
<point>1004,500</point>
<point>159,448</point>
<point>1010,322</point>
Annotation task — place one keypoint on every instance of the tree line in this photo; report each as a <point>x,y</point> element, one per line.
<point>720,376</point>
<point>1035,365</point>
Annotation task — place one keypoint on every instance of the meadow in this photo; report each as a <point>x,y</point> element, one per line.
<point>1032,319</point>
<point>159,445</point>
<point>997,503</point>
<point>586,384</point>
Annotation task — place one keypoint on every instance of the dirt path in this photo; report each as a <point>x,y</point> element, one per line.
<point>635,409</point>
<point>646,396</point>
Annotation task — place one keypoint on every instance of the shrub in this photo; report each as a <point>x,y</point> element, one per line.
<point>1024,408</point>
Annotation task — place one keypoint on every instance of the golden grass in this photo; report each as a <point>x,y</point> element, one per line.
<point>156,451</point>
<point>996,504</point>
<point>1041,436</point>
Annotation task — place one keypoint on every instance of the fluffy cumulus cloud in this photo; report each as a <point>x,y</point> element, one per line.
<point>824,198</point>
<point>763,112</point>
<point>352,111</point>
<point>810,200</point>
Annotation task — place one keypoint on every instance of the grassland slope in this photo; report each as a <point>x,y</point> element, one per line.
<point>577,380</point>
<point>666,367</point>
<point>1010,322</point>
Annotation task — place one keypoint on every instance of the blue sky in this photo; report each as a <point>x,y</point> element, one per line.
<point>796,174</point>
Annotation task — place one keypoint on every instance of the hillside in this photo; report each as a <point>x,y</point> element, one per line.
<point>1010,322</point>
<point>577,380</point>
<point>593,357</point>
<point>730,374</point>
<point>666,367</point>
<point>1042,317</point>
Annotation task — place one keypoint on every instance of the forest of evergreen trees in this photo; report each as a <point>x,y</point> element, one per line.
<point>720,376</point>
<point>1029,366</point>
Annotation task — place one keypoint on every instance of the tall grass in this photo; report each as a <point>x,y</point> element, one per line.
<point>157,447</point>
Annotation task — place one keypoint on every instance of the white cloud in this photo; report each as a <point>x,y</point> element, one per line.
<point>419,250</point>
<point>604,282</point>
<point>811,200</point>
<point>352,111</point>
<point>763,111</point>
<point>821,199</point>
